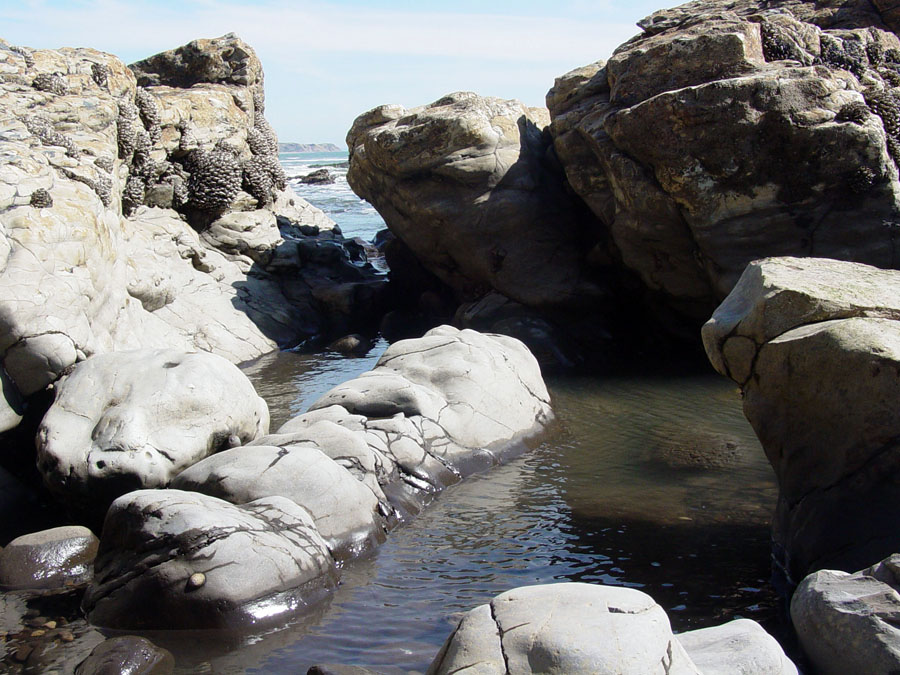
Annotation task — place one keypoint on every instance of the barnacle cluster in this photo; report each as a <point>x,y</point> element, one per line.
<point>188,141</point>
<point>41,199</point>
<point>862,180</point>
<point>42,127</point>
<point>53,83</point>
<point>149,112</point>
<point>25,54</point>
<point>100,74</point>
<point>215,179</point>
<point>106,163</point>
<point>775,47</point>
<point>133,194</point>
<point>262,173</point>
<point>855,112</point>
<point>844,54</point>
<point>885,105</point>
<point>128,124</point>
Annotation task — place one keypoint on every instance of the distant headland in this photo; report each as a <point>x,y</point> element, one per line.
<point>308,147</point>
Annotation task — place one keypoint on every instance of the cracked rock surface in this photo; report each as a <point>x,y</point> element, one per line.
<point>815,346</point>
<point>367,455</point>
<point>848,623</point>
<point>176,559</point>
<point>128,420</point>
<point>100,246</point>
<point>587,628</point>
<point>776,142</point>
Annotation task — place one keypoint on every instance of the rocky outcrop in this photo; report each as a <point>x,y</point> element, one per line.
<point>466,183</point>
<point>104,187</point>
<point>368,454</point>
<point>815,346</point>
<point>51,559</point>
<point>847,623</point>
<point>128,420</point>
<point>585,628</point>
<point>780,138</point>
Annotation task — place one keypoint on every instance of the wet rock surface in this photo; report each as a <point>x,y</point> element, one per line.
<point>127,420</point>
<point>846,623</point>
<point>327,485</point>
<point>62,557</point>
<point>127,654</point>
<point>174,559</point>
<point>814,345</point>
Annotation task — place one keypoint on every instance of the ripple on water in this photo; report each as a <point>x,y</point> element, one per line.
<point>620,493</point>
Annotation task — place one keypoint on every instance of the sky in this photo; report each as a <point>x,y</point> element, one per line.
<point>327,62</point>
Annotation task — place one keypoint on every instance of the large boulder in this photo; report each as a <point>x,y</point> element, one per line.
<point>367,455</point>
<point>467,184</point>
<point>126,420</point>
<point>847,623</point>
<point>731,131</point>
<point>174,559</point>
<point>815,346</point>
<point>104,186</point>
<point>586,628</point>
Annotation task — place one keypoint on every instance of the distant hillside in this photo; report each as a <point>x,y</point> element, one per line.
<point>308,147</point>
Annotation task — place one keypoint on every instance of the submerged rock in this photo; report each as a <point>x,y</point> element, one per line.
<point>585,628</point>
<point>368,454</point>
<point>815,346</point>
<point>847,623</point>
<point>127,420</point>
<point>127,654</point>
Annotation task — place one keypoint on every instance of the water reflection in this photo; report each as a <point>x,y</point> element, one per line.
<point>654,483</point>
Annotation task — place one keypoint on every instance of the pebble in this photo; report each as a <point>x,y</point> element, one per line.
<point>66,636</point>
<point>197,580</point>
<point>22,653</point>
<point>50,624</point>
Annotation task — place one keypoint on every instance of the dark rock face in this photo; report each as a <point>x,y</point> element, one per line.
<point>814,345</point>
<point>726,132</point>
<point>127,654</point>
<point>319,177</point>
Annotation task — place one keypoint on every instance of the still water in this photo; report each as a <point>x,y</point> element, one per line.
<point>657,483</point>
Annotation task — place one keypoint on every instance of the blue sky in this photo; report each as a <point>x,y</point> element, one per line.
<point>327,62</point>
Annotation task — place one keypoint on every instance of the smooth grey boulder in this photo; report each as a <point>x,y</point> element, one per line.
<point>174,559</point>
<point>565,628</point>
<point>127,654</point>
<point>847,623</point>
<point>367,455</point>
<point>815,346</point>
<point>57,558</point>
<point>126,420</point>
<point>344,510</point>
<point>739,647</point>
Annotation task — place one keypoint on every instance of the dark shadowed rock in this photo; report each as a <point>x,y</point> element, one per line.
<point>127,654</point>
